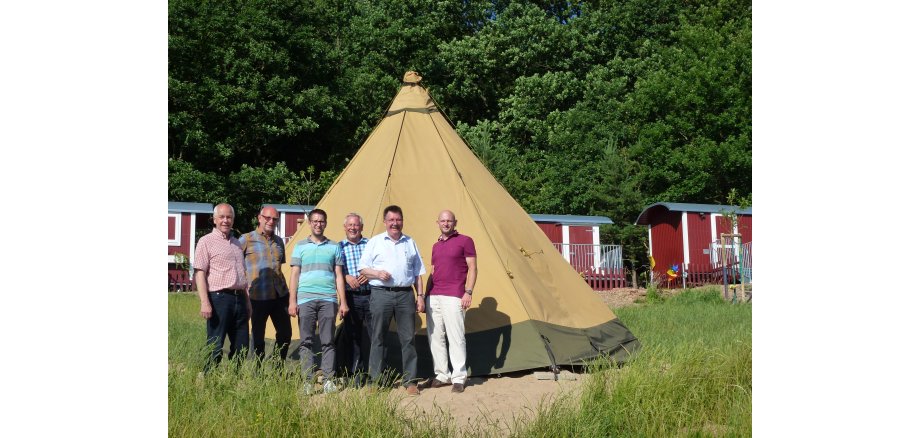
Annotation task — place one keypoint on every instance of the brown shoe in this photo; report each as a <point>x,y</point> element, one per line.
<point>435,383</point>
<point>458,387</point>
<point>412,390</point>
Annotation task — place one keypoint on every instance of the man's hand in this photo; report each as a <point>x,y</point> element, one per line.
<point>466,301</point>
<point>362,279</point>
<point>206,310</point>
<point>353,282</point>
<point>384,275</point>
<point>292,310</point>
<point>343,310</point>
<point>420,305</point>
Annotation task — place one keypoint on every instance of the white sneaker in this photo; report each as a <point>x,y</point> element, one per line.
<point>329,387</point>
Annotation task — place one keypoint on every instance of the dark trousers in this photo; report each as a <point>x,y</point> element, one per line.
<point>358,329</point>
<point>277,310</point>
<point>310,314</point>
<point>228,318</point>
<point>385,305</point>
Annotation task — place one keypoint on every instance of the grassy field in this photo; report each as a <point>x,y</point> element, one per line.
<point>692,378</point>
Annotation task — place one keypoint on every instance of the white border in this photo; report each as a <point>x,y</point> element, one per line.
<point>565,244</point>
<point>686,236</point>
<point>177,239</point>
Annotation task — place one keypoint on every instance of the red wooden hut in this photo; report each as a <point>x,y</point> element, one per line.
<point>183,221</point>
<point>687,235</point>
<point>578,238</point>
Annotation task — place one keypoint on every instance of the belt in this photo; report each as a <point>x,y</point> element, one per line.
<point>359,292</point>
<point>236,292</point>
<point>394,289</point>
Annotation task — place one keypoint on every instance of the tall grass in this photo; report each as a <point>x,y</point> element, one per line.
<point>692,378</point>
<point>246,400</point>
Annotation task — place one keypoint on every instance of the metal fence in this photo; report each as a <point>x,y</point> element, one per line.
<point>736,259</point>
<point>600,265</point>
<point>729,264</point>
<point>180,281</point>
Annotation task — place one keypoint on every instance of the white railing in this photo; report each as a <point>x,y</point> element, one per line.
<point>585,257</point>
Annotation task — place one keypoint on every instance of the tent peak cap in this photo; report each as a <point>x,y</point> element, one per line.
<point>411,78</point>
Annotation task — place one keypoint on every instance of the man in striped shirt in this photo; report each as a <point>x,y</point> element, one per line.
<point>264,255</point>
<point>358,294</point>
<point>316,275</point>
<point>222,288</point>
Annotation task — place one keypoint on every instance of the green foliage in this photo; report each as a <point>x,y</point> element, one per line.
<point>189,184</point>
<point>307,188</point>
<point>589,107</point>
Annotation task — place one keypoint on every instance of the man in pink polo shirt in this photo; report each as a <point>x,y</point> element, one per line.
<point>222,287</point>
<point>450,292</point>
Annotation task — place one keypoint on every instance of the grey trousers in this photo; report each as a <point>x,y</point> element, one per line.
<point>309,314</point>
<point>385,305</point>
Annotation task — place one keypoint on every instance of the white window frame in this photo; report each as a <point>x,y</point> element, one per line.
<point>177,239</point>
<point>717,239</point>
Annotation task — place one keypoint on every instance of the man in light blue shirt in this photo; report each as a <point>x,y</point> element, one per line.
<point>316,276</point>
<point>392,262</point>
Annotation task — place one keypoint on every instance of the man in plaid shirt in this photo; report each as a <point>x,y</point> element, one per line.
<point>263,252</point>
<point>357,294</point>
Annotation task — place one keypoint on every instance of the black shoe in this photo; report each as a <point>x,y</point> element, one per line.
<point>435,383</point>
<point>458,387</point>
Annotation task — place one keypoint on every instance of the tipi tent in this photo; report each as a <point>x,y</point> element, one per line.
<point>530,309</point>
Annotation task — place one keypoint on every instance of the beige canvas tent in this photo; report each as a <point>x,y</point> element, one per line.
<point>531,309</point>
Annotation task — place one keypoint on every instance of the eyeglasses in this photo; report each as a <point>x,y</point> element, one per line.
<point>269,218</point>
<point>317,222</point>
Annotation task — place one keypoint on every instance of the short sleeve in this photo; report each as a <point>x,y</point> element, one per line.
<point>365,261</point>
<point>339,256</point>
<point>280,244</point>
<point>202,257</point>
<point>469,248</point>
<point>295,256</point>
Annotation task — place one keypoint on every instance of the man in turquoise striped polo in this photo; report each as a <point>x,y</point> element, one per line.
<point>316,275</point>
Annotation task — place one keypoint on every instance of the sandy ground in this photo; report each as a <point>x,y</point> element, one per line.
<point>501,399</point>
<point>494,400</point>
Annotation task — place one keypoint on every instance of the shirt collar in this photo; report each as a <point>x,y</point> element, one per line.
<point>441,238</point>
<point>348,242</point>
<point>227,236</point>
<point>401,238</point>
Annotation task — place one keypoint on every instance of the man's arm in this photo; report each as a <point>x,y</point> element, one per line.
<point>201,282</point>
<point>430,283</point>
<point>292,290</point>
<point>420,300</point>
<point>467,299</point>
<point>376,274</point>
<point>340,291</point>
<point>283,259</point>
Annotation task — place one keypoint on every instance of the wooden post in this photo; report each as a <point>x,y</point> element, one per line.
<point>635,284</point>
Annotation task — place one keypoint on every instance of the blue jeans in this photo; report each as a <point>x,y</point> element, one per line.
<point>277,310</point>
<point>385,305</point>
<point>309,314</point>
<point>358,328</point>
<point>228,318</point>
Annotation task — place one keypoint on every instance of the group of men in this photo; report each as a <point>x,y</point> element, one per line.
<point>366,282</point>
